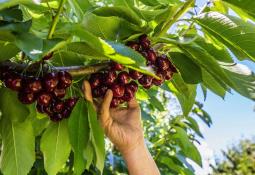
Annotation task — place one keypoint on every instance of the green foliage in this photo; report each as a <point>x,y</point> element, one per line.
<point>238,159</point>
<point>204,49</point>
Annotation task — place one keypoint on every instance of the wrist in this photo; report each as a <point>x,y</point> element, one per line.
<point>134,150</point>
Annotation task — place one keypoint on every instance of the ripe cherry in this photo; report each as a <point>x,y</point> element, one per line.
<point>99,91</point>
<point>44,99</point>
<point>115,102</point>
<point>128,95</point>
<point>50,81</point>
<point>117,90</point>
<point>144,41</point>
<point>110,77</point>
<point>135,74</point>
<point>48,56</point>
<point>40,108</point>
<point>66,113</point>
<point>133,86</point>
<point>168,74</point>
<point>13,82</point>
<point>56,117</point>
<point>26,98</point>
<point>173,68</point>
<point>116,66</point>
<point>96,80</point>
<point>123,77</point>
<point>65,79</point>
<point>160,81</point>
<point>59,93</point>
<point>70,103</point>
<point>58,106</point>
<point>133,45</point>
<point>162,63</point>
<point>34,85</point>
<point>151,56</point>
<point>48,110</point>
<point>146,81</point>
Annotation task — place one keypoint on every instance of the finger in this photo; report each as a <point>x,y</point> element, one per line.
<point>87,91</point>
<point>133,103</point>
<point>105,117</point>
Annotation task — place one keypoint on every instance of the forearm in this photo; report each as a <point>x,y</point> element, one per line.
<point>140,162</point>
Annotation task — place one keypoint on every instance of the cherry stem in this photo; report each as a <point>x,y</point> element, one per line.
<point>73,70</point>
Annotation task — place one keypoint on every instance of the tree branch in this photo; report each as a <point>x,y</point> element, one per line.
<point>177,15</point>
<point>55,19</point>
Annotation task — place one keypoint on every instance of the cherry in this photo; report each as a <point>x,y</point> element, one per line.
<point>33,85</point>
<point>173,68</point>
<point>144,41</point>
<point>116,66</point>
<point>168,74</point>
<point>144,54</point>
<point>66,113</point>
<point>26,98</point>
<point>123,77</point>
<point>56,117</point>
<point>162,63</point>
<point>110,77</point>
<point>135,74</point>
<point>48,110</point>
<point>115,102</point>
<point>70,103</point>
<point>13,82</point>
<point>40,108</point>
<point>145,81</point>
<point>99,91</point>
<point>48,56</point>
<point>128,95</point>
<point>133,45</point>
<point>147,86</point>
<point>59,93</point>
<point>95,80</point>
<point>44,99</point>
<point>151,56</point>
<point>50,81</point>
<point>133,86</point>
<point>58,106</point>
<point>65,79</point>
<point>117,90</point>
<point>160,81</point>
<point>4,70</point>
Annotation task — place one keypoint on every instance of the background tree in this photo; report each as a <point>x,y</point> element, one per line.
<point>239,159</point>
<point>80,37</point>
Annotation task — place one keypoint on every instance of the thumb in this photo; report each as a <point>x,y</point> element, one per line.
<point>104,112</point>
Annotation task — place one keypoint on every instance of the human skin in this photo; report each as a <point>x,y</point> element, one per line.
<point>123,127</point>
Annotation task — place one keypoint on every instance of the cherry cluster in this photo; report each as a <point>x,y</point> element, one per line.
<point>47,91</point>
<point>123,82</point>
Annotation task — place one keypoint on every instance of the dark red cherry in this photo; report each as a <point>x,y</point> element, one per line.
<point>135,74</point>
<point>70,103</point>
<point>146,81</point>
<point>144,41</point>
<point>162,63</point>
<point>110,77</point>
<point>95,80</point>
<point>48,110</point>
<point>128,95</point>
<point>58,106</point>
<point>147,86</point>
<point>44,98</point>
<point>96,92</point>
<point>13,82</point>
<point>34,85</point>
<point>133,45</point>
<point>59,93</point>
<point>65,79</point>
<point>48,56</point>
<point>160,81</point>
<point>116,66</point>
<point>4,70</point>
<point>26,98</point>
<point>56,117</point>
<point>144,54</point>
<point>66,113</point>
<point>40,108</point>
<point>50,81</point>
<point>173,68</point>
<point>133,86</point>
<point>123,77</point>
<point>117,90</point>
<point>151,56</point>
<point>115,102</point>
<point>168,74</point>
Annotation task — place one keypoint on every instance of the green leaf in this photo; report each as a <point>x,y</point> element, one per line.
<point>243,78</point>
<point>7,50</point>
<point>11,14</point>
<point>235,33</point>
<point>79,135</point>
<point>80,7</point>
<point>19,27</point>
<point>194,125</point>
<point>120,12</point>
<point>188,148</point>
<point>18,146</point>
<point>17,111</point>
<point>10,3</point>
<point>97,135</point>
<point>190,71</point>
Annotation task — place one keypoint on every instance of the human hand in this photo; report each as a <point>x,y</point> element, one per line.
<point>121,125</point>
